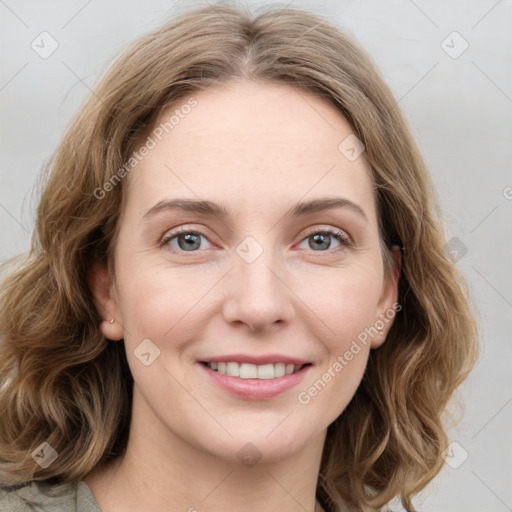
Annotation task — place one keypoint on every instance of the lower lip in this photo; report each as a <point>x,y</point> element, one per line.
<point>255,389</point>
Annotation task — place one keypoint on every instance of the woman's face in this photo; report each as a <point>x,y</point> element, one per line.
<point>255,276</point>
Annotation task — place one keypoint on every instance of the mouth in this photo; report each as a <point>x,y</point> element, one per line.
<point>250,381</point>
<point>254,371</point>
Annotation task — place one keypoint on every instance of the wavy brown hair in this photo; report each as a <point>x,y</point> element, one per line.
<point>62,382</point>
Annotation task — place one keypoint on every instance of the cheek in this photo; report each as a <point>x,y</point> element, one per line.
<point>347,307</point>
<point>161,304</point>
<point>167,303</point>
<point>346,303</point>
<point>164,308</point>
<point>160,301</point>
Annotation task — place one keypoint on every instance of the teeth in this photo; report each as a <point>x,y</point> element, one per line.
<point>252,371</point>
<point>266,371</point>
<point>279,370</point>
<point>233,369</point>
<point>247,371</point>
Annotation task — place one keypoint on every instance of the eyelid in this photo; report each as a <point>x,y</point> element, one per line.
<point>344,240</point>
<point>174,232</point>
<point>331,230</point>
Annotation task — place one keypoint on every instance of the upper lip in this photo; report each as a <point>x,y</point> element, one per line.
<point>257,360</point>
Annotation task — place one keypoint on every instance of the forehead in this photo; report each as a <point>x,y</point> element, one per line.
<point>250,146</point>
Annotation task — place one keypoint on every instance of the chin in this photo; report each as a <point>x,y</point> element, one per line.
<point>255,444</point>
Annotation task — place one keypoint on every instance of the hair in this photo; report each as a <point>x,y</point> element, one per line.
<point>63,383</point>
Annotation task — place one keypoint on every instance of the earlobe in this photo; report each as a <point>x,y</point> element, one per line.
<point>103,292</point>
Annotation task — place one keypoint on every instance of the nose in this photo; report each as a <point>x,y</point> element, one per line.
<point>257,295</point>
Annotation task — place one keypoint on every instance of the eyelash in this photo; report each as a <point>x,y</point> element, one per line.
<point>340,236</point>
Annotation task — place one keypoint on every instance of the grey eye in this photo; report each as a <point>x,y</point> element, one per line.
<point>322,240</point>
<point>188,241</point>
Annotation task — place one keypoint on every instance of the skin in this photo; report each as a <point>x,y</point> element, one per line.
<point>256,149</point>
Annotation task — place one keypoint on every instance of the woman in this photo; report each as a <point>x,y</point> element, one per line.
<point>237,296</point>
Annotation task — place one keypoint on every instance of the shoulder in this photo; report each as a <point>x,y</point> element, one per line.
<point>39,496</point>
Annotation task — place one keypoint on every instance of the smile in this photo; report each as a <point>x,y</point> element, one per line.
<point>259,379</point>
<point>253,371</point>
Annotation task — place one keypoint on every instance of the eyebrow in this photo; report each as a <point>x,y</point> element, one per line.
<point>300,209</point>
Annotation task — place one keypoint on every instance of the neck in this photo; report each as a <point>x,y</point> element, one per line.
<point>162,472</point>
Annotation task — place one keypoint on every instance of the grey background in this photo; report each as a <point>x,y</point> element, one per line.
<point>460,113</point>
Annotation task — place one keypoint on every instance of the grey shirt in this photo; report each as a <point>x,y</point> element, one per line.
<point>43,497</point>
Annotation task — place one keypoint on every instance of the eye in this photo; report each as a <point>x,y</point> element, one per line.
<point>187,240</point>
<point>184,240</point>
<point>321,240</point>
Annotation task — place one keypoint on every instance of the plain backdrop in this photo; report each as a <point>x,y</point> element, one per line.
<point>449,66</point>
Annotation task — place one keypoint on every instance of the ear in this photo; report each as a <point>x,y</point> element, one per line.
<point>388,302</point>
<point>103,292</point>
